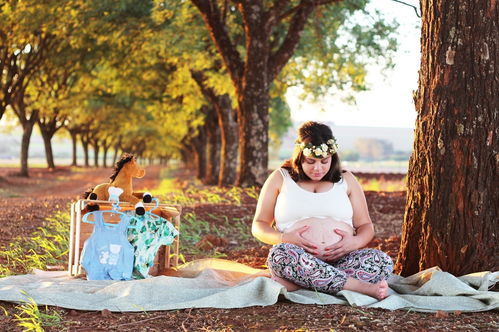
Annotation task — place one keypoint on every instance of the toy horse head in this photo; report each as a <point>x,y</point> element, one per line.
<point>127,166</point>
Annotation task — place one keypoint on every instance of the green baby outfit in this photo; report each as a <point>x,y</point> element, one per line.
<point>152,232</point>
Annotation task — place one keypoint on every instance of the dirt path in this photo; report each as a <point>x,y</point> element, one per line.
<point>25,203</point>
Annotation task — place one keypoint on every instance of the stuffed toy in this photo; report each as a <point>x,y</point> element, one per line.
<point>120,186</point>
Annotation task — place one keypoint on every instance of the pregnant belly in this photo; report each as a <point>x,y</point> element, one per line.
<point>321,232</point>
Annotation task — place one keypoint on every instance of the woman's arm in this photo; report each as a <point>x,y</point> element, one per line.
<point>364,229</point>
<point>264,216</point>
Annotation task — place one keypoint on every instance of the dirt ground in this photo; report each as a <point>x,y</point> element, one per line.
<point>25,203</point>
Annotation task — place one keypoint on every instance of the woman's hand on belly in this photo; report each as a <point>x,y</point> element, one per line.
<point>321,232</point>
<point>347,244</point>
<point>295,236</point>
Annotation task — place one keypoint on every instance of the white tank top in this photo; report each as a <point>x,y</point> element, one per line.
<point>295,203</point>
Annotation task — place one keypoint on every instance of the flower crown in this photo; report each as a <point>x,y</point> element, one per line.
<point>320,151</point>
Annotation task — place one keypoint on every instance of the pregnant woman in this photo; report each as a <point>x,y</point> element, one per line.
<point>321,222</point>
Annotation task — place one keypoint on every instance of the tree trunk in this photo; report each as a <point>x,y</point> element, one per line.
<point>229,142</point>
<point>115,155</point>
<point>199,143</point>
<point>96,153</point>
<point>451,217</point>
<point>228,130</point>
<point>27,120</point>
<point>49,125</point>
<point>253,119</point>
<point>26,138</point>
<point>84,144</point>
<point>74,142</point>
<point>105,149</point>
<point>47,142</point>
<point>212,148</point>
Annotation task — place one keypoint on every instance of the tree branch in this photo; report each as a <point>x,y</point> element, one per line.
<point>306,3</point>
<point>302,11</point>
<point>405,3</point>
<point>208,93</point>
<point>220,36</point>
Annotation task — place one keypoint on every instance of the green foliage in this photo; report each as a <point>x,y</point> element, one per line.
<point>340,41</point>
<point>30,318</point>
<point>193,228</point>
<point>280,120</point>
<point>384,185</point>
<point>120,71</point>
<point>47,246</point>
<point>194,192</point>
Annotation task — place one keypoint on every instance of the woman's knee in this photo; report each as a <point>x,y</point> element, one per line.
<point>283,254</point>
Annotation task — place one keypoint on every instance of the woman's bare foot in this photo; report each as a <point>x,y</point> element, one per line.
<point>381,290</point>
<point>290,287</point>
<point>378,290</point>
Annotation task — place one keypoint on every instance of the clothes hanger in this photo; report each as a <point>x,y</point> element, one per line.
<point>149,214</point>
<point>114,198</point>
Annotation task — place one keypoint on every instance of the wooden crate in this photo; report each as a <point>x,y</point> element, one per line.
<point>166,257</point>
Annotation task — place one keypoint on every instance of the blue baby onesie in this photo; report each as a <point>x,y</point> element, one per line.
<point>107,254</point>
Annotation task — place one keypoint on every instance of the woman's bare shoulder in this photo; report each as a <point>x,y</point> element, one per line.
<point>275,179</point>
<point>351,180</point>
<point>347,175</point>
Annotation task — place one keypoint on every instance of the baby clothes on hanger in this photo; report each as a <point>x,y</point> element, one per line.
<point>107,254</point>
<point>146,240</point>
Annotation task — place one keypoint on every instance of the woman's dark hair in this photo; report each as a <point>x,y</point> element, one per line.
<point>316,133</point>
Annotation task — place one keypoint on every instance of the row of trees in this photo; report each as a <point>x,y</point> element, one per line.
<point>154,77</point>
<point>199,80</point>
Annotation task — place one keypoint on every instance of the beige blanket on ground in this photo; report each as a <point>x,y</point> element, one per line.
<point>215,283</point>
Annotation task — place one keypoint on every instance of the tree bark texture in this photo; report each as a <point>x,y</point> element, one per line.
<point>451,217</point>
<point>199,143</point>
<point>96,147</point>
<point>105,149</point>
<point>84,144</point>
<point>49,125</point>
<point>230,141</point>
<point>27,131</point>
<point>49,155</point>
<point>27,120</point>
<point>74,144</point>
<point>212,148</point>
<point>229,134</point>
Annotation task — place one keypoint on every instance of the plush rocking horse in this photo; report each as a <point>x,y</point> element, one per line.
<point>120,186</point>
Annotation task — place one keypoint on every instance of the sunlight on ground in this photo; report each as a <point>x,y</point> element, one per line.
<point>383,185</point>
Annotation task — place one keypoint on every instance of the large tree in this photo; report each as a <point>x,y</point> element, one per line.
<point>451,218</point>
<point>271,32</point>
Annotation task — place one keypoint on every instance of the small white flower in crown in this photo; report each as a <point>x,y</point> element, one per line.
<point>320,151</point>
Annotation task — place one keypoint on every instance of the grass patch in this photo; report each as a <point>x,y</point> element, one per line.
<point>47,246</point>
<point>8,194</point>
<point>30,318</point>
<point>383,185</point>
<point>193,229</point>
<point>173,191</point>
